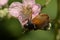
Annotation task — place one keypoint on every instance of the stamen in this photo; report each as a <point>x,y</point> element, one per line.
<point>27,12</point>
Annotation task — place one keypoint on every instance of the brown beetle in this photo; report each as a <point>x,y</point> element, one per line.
<point>40,22</point>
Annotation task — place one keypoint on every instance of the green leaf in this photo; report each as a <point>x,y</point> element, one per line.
<point>38,35</point>
<point>10,1</point>
<point>51,8</point>
<point>12,26</point>
<point>41,2</point>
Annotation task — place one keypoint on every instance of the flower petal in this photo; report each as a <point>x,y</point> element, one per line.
<point>22,20</point>
<point>3,2</point>
<point>14,12</point>
<point>15,9</point>
<point>15,4</point>
<point>36,9</point>
<point>28,2</point>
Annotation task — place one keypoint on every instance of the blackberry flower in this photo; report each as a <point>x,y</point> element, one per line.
<point>23,10</point>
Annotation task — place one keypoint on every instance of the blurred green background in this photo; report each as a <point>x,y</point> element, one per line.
<point>10,29</point>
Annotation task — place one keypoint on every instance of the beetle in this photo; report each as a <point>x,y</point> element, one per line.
<point>40,22</point>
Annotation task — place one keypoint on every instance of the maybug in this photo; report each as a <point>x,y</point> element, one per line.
<point>40,22</point>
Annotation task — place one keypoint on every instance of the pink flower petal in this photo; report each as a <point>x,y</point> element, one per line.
<point>14,12</point>
<point>22,20</point>
<point>15,9</point>
<point>15,4</point>
<point>3,2</point>
<point>28,2</point>
<point>36,10</point>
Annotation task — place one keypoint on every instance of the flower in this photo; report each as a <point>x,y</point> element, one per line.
<point>23,10</point>
<point>3,2</point>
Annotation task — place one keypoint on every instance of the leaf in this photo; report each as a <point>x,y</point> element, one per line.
<point>12,26</point>
<point>38,35</point>
<point>51,8</point>
<point>10,1</point>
